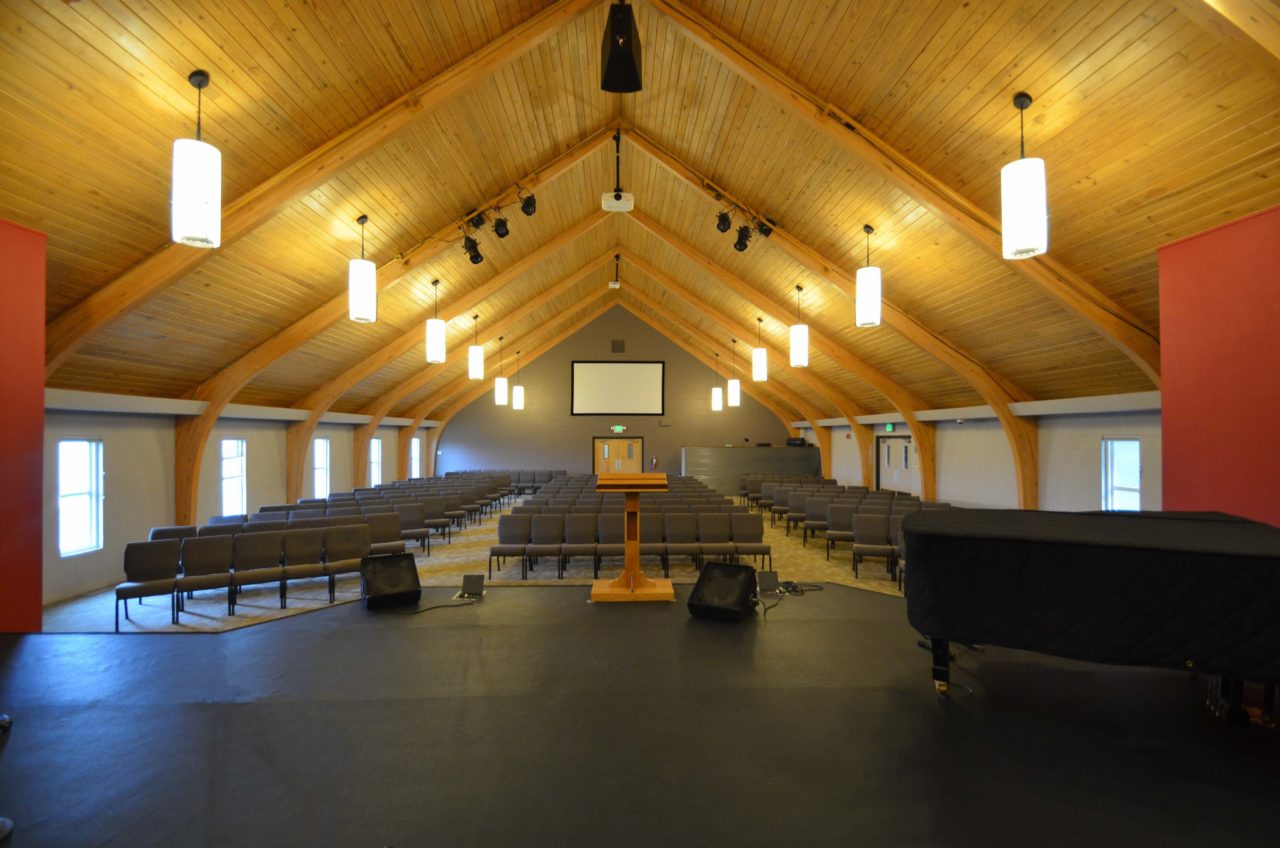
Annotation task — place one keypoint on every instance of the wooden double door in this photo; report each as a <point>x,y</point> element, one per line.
<point>611,455</point>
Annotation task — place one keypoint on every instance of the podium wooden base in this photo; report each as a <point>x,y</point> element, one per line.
<point>611,591</point>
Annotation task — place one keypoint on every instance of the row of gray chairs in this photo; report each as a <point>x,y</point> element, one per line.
<point>384,529</point>
<point>565,537</point>
<point>177,567</point>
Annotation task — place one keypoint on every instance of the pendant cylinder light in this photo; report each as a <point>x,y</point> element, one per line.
<point>733,393</point>
<point>435,329</point>
<point>717,393</point>
<point>1024,198</point>
<point>500,382</point>
<point>866,305</point>
<point>362,284</point>
<point>517,391</point>
<point>759,356</point>
<point>475,355</point>
<point>196,192</point>
<point>799,338</point>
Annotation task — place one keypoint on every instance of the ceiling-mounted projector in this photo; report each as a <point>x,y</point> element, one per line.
<point>617,201</point>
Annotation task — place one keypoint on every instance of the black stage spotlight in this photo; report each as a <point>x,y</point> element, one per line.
<point>529,205</point>
<point>473,250</point>
<point>500,228</point>
<point>620,52</point>
<point>477,220</point>
<point>763,228</point>
<point>723,222</point>
<point>744,236</point>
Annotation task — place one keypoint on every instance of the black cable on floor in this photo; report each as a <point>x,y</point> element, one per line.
<point>466,603</point>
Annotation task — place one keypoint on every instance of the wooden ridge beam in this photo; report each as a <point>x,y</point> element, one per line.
<point>998,391</point>
<point>843,404</point>
<point>1109,318</point>
<point>246,213</point>
<point>1249,27</point>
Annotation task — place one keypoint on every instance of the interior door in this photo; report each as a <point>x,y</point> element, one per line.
<point>895,464</point>
<point>617,456</point>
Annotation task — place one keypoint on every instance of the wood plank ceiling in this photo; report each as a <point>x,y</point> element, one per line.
<point>1154,125</point>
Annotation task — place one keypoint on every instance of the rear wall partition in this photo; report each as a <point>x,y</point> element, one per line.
<point>546,436</point>
<point>1220,364</point>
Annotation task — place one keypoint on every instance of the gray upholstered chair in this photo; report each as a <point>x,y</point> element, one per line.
<point>435,517</point>
<point>384,531</point>
<point>839,525</point>
<point>871,538</point>
<point>546,534</point>
<point>795,508</point>
<point>150,570</point>
<point>652,534</point>
<point>178,532</point>
<point>681,534</point>
<point>345,548</point>
<point>715,538</point>
<point>258,560</point>
<point>779,507</point>
<point>206,564</point>
<point>228,519</point>
<point>579,538</point>
<point>218,529</point>
<point>411,526</point>
<point>610,537</point>
<point>303,554</point>
<point>748,536</point>
<point>513,536</point>
<point>815,518</point>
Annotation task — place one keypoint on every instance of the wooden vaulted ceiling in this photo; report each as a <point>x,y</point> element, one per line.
<point>1156,120</point>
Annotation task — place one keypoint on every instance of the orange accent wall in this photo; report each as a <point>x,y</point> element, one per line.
<point>1220,368</point>
<point>22,263</point>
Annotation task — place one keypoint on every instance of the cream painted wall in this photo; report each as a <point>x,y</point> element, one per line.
<point>1071,458</point>
<point>137,494</point>
<point>264,448</point>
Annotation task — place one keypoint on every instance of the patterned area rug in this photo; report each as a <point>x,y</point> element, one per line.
<point>468,553</point>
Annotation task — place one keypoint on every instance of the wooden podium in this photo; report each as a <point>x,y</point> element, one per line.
<point>632,585</point>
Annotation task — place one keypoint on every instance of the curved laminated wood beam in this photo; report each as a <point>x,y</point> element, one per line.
<point>383,405</point>
<point>298,441</point>
<point>998,391</point>
<point>843,404</point>
<point>1123,329</point>
<point>246,213</point>
<point>451,407</point>
<point>903,401</point>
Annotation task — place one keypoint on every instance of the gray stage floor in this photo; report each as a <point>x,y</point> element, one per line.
<point>535,718</point>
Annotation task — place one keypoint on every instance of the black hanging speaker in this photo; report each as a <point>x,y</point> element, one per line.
<point>620,52</point>
<point>389,580</point>
<point>725,592</point>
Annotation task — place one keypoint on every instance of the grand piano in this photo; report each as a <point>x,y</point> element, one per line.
<point>1193,591</point>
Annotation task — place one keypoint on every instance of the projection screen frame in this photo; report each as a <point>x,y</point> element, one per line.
<point>662,390</point>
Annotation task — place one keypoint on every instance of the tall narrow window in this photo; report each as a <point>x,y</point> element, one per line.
<point>235,492</point>
<point>1121,474</point>
<point>321,467</point>
<point>79,496</point>
<point>415,456</point>
<point>375,462</point>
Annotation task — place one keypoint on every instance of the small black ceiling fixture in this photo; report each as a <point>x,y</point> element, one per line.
<point>620,52</point>
<point>744,238</point>
<point>477,220</point>
<point>472,248</point>
<point>529,205</point>
<point>500,228</point>
<point>724,222</point>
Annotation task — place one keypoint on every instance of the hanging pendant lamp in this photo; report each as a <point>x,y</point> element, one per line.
<point>1024,198</point>
<point>475,354</point>
<point>866,305</point>
<point>799,338</point>
<point>435,328</point>
<point>500,382</point>
<point>759,356</point>
<point>517,390</point>
<point>734,390</point>
<point>362,284</point>
<point>196,194</point>
<point>717,393</point>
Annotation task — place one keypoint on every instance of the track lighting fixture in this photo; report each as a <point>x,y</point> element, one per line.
<point>724,222</point>
<point>799,338</point>
<point>529,205</point>
<point>362,284</point>
<point>620,52</point>
<point>1024,203</point>
<point>759,356</point>
<point>500,228</point>
<point>500,382</point>
<point>866,302</point>
<point>734,390</point>
<point>435,328</point>
<point>475,354</point>
<point>476,221</point>
<point>472,249</point>
<point>196,193</point>
<point>744,238</point>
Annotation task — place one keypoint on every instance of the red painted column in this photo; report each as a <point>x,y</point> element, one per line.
<point>22,263</point>
<point>1220,369</point>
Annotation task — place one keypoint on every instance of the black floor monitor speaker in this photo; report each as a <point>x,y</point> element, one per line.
<point>389,580</point>
<point>725,592</point>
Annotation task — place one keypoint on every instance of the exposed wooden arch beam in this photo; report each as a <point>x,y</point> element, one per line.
<point>444,413</point>
<point>246,213</point>
<point>998,391</point>
<point>298,440</point>
<point>843,404</point>
<point>905,402</point>
<point>1113,321</point>
<point>493,329</point>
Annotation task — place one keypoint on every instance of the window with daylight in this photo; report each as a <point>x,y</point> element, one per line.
<point>235,491</point>
<point>415,456</point>
<point>1121,474</point>
<point>320,467</point>
<point>375,462</point>
<point>79,496</point>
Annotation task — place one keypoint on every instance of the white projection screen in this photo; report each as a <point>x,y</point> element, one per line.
<point>617,388</point>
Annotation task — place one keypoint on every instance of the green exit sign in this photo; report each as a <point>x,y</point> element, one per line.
<point>618,428</point>
<point>888,428</point>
